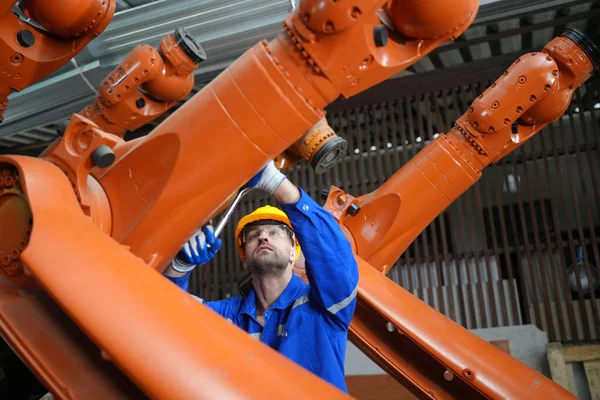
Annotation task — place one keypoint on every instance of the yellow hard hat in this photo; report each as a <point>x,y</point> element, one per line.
<point>265,213</point>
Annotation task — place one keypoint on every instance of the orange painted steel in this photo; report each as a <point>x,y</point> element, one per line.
<point>62,29</point>
<point>146,84</point>
<point>430,354</point>
<point>73,154</point>
<point>260,105</point>
<point>320,147</point>
<point>162,187</point>
<point>535,91</point>
<point>433,356</point>
<point>167,343</point>
<point>56,350</point>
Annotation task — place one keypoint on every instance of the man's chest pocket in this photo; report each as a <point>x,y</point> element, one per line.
<point>297,339</point>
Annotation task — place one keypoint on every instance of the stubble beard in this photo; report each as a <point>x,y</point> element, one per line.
<point>273,264</point>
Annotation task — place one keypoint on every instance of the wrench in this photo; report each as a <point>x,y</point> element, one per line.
<point>221,225</point>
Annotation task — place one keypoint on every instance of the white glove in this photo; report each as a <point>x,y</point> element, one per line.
<point>268,179</point>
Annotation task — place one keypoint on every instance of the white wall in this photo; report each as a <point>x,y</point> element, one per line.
<point>527,344</point>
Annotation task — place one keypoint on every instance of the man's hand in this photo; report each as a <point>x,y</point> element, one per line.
<point>268,179</point>
<point>272,181</point>
<point>198,250</point>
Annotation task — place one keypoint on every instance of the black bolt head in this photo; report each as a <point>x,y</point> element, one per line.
<point>25,38</point>
<point>103,156</point>
<point>140,102</point>
<point>380,34</point>
<point>353,209</point>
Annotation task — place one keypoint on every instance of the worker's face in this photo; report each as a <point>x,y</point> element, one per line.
<point>270,249</point>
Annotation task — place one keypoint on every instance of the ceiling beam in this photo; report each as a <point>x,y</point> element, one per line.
<point>494,34</point>
<point>37,136</point>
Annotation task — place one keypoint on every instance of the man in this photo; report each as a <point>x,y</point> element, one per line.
<point>307,323</point>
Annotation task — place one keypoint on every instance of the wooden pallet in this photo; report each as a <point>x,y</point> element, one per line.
<point>561,358</point>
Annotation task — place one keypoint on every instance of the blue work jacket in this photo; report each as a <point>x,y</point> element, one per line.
<point>309,322</point>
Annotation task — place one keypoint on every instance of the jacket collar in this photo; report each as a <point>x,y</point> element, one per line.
<point>295,288</point>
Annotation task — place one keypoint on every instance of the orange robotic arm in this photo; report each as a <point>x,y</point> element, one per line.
<point>535,91</point>
<point>39,36</point>
<point>257,108</point>
<point>152,193</point>
<point>146,84</point>
<point>430,354</point>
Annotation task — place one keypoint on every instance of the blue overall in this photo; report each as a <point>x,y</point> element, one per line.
<point>308,323</point>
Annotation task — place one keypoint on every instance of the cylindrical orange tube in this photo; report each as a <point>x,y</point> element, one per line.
<point>396,213</point>
<point>165,187</point>
<point>452,163</point>
<point>182,172</point>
